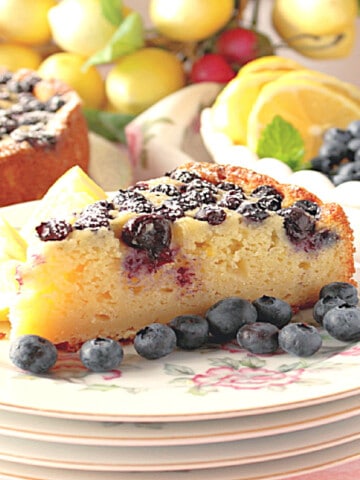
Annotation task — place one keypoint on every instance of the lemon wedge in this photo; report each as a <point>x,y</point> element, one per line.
<point>309,105</point>
<point>72,191</point>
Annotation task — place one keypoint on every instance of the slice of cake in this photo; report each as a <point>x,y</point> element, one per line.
<point>177,244</point>
<point>43,133</point>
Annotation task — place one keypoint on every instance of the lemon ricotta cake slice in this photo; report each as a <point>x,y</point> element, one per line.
<point>174,245</point>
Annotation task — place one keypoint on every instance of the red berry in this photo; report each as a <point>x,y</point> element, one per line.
<point>211,67</point>
<point>241,45</point>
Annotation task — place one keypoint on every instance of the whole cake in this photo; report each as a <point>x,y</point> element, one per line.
<point>42,134</point>
<point>174,245</point>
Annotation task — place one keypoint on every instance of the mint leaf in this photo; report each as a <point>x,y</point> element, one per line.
<point>110,125</point>
<point>281,140</point>
<point>112,11</point>
<point>128,37</point>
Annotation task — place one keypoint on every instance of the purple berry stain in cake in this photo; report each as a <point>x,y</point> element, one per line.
<point>184,276</point>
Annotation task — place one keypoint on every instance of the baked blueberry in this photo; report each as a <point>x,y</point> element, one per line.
<point>148,232</point>
<point>300,339</point>
<point>155,341</point>
<point>53,230</point>
<point>33,353</point>
<point>101,354</point>
<point>258,337</point>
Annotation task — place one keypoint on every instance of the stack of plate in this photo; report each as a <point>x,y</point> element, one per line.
<point>214,413</point>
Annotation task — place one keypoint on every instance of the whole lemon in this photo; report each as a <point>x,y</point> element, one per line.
<point>14,57</point>
<point>182,21</point>
<point>68,67</point>
<point>316,17</point>
<point>317,28</point>
<point>79,26</point>
<point>23,21</point>
<point>140,79</point>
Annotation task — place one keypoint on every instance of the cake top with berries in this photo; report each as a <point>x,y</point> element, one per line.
<point>28,105</point>
<point>142,214</point>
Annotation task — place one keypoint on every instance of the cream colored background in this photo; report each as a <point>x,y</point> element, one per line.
<point>347,69</point>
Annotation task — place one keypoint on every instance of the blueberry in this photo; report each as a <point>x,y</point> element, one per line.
<point>166,189</point>
<point>95,216</point>
<point>228,315</point>
<point>334,134</point>
<point>258,337</point>
<point>53,230</point>
<point>273,310</point>
<point>312,208</point>
<point>101,354</point>
<point>232,199</point>
<point>344,290</point>
<point>155,341</point>
<point>191,331</point>
<point>227,186</point>
<point>212,214</point>
<point>297,223</point>
<point>266,191</point>
<point>353,146</point>
<point>300,339</point>
<point>334,151</point>
<point>253,211</point>
<point>323,305</point>
<point>184,176</point>
<point>343,323</point>
<point>33,353</point>
<point>354,128</point>
<point>148,232</point>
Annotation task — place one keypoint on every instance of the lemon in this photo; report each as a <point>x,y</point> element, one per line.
<point>140,79</point>
<point>14,57</point>
<point>74,190</point>
<point>12,244</point>
<point>344,88</point>
<point>317,28</point>
<point>310,106</point>
<point>78,26</point>
<point>23,21</point>
<point>316,17</point>
<point>69,67</point>
<point>269,63</point>
<point>181,20</point>
<point>8,288</point>
<point>232,107</point>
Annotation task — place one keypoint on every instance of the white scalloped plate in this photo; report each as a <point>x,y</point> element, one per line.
<point>179,457</point>
<point>268,470</point>
<point>82,432</point>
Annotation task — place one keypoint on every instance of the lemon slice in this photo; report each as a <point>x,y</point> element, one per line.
<point>8,288</point>
<point>329,81</point>
<point>232,107</point>
<point>12,244</point>
<point>310,106</point>
<point>269,63</point>
<point>72,191</point>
